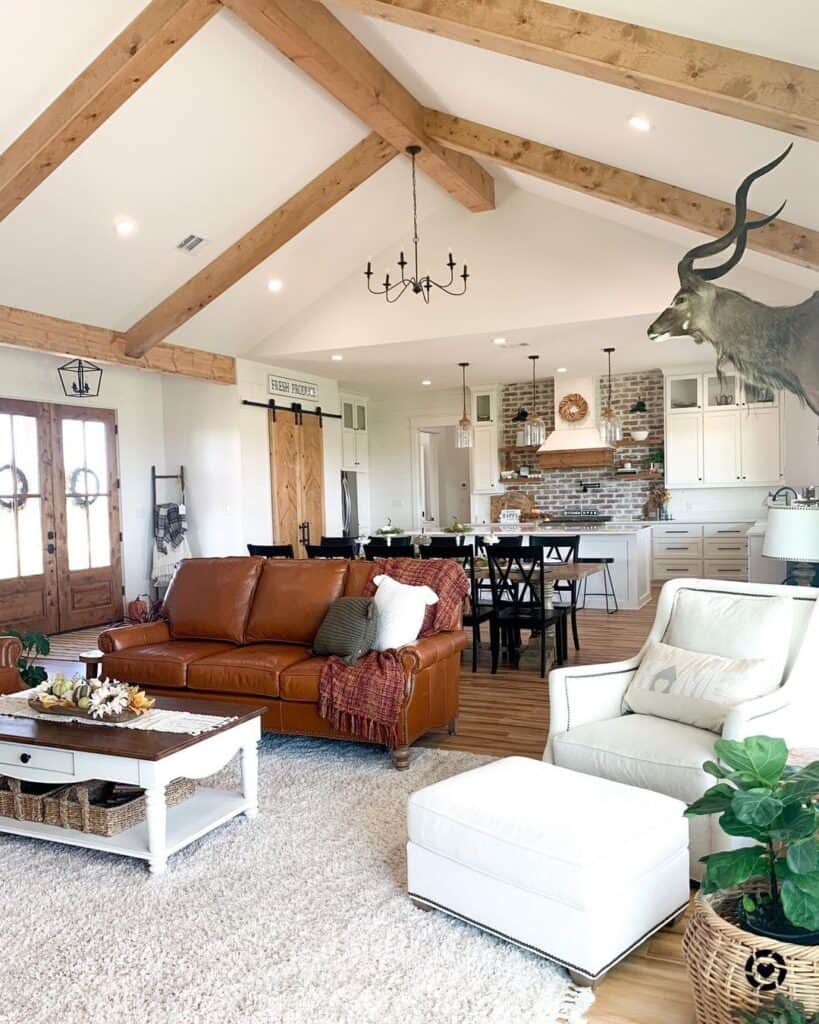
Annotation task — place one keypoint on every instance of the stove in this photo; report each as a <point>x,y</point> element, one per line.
<point>579,516</point>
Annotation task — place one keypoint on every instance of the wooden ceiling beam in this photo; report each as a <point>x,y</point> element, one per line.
<point>308,34</point>
<point>742,85</point>
<point>23,329</point>
<point>692,210</point>
<point>307,205</point>
<point>152,38</point>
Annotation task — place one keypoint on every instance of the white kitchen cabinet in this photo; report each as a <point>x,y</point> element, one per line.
<point>721,449</point>
<point>683,450</point>
<point>484,461</point>
<point>355,448</point>
<point>700,551</point>
<point>722,434</point>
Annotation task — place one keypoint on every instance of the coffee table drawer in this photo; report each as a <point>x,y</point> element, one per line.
<point>41,758</point>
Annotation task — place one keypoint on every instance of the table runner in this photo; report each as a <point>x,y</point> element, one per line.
<point>155,720</point>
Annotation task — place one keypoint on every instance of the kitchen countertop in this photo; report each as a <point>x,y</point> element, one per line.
<point>610,529</point>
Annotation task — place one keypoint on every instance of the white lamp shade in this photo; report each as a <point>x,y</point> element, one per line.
<point>792,534</point>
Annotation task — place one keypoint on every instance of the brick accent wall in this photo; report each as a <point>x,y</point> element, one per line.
<point>618,496</point>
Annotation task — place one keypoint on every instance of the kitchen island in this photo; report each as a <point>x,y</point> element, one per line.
<point>628,543</point>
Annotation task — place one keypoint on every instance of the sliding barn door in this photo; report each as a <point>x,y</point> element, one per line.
<point>297,479</point>
<point>86,500</point>
<point>28,567</point>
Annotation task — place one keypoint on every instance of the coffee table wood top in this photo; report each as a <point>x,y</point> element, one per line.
<point>140,744</point>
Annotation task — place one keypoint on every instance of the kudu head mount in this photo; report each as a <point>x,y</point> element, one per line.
<point>770,346</point>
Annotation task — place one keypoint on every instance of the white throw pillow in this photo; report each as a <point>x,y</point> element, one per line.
<point>401,610</point>
<point>697,689</point>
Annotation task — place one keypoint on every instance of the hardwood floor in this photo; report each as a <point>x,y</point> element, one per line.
<point>509,714</point>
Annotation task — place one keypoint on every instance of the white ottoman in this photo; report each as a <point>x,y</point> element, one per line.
<point>578,869</point>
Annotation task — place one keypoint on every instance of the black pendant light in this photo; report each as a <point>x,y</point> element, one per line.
<point>420,284</point>
<point>80,378</point>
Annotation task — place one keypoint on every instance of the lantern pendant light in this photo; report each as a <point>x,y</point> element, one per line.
<point>535,429</point>
<point>611,429</point>
<point>463,432</point>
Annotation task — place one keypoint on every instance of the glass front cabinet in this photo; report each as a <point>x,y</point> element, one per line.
<point>354,440</point>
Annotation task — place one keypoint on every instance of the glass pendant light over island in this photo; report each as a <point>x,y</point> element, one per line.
<point>463,432</point>
<point>534,432</point>
<point>421,284</point>
<point>611,428</point>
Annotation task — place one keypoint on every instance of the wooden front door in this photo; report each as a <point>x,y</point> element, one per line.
<point>60,557</point>
<point>297,478</point>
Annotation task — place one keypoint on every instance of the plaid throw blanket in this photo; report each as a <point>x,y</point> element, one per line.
<point>170,524</point>
<point>365,699</point>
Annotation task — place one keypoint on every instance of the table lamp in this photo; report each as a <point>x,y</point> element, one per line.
<point>792,534</point>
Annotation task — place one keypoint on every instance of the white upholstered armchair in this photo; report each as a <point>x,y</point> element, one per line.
<point>592,733</point>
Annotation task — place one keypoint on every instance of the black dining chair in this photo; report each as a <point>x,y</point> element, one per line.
<point>271,550</point>
<point>337,542</point>
<point>330,550</point>
<point>445,540</point>
<point>560,548</point>
<point>504,542</point>
<point>478,613</point>
<point>517,580</point>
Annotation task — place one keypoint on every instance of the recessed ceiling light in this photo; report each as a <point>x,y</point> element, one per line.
<point>275,285</point>
<point>640,123</point>
<point>125,226</point>
<point>499,341</point>
<point>337,357</point>
<point>426,383</point>
<point>561,369</point>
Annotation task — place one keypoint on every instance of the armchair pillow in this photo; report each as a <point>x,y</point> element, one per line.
<point>401,610</point>
<point>697,689</point>
<point>348,630</point>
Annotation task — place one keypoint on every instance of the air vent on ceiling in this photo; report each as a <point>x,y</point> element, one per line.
<point>190,243</point>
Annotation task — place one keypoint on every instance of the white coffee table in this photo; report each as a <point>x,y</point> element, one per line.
<point>45,751</point>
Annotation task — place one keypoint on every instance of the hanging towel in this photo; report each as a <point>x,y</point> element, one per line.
<point>170,525</point>
<point>166,562</point>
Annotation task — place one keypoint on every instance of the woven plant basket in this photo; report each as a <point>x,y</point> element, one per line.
<point>74,807</point>
<point>23,801</point>
<point>731,969</point>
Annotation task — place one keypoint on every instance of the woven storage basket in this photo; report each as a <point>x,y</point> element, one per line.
<point>74,807</point>
<point>23,801</point>
<point>732,970</point>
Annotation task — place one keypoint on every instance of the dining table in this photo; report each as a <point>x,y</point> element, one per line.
<point>552,571</point>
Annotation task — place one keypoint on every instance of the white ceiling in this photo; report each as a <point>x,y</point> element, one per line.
<point>228,129</point>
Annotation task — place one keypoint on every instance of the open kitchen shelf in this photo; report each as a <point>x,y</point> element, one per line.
<point>650,442</point>
<point>519,448</point>
<point>644,475</point>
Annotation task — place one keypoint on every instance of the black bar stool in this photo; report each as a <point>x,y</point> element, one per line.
<point>608,585</point>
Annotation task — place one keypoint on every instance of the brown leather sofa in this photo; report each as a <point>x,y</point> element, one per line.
<point>243,628</point>
<point>10,651</point>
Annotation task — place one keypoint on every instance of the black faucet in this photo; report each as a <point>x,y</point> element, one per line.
<point>787,490</point>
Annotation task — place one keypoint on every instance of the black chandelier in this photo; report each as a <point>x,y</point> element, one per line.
<point>80,378</point>
<point>393,290</point>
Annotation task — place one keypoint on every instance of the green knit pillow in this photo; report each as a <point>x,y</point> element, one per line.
<point>348,629</point>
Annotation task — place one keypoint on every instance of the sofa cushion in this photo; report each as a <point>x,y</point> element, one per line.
<point>697,689</point>
<point>293,597</point>
<point>252,669</point>
<point>348,630</point>
<point>165,664</point>
<point>401,608</point>
<point>640,750</point>
<point>300,682</point>
<point>210,598</point>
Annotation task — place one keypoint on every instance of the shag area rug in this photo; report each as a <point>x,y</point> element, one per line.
<point>297,917</point>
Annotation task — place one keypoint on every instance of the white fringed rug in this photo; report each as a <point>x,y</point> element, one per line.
<point>297,917</point>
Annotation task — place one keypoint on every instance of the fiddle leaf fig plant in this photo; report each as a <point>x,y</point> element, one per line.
<point>759,796</point>
<point>35,645</point>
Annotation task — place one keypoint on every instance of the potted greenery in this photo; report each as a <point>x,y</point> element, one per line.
<point>35,645</point>
<point>755,927</point>
<point>780,1011</point>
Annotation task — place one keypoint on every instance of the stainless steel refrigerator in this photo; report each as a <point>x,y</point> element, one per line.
<point>349,504</point>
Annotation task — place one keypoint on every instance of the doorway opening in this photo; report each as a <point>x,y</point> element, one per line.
<point>443,477</point>
<point>60,540</point>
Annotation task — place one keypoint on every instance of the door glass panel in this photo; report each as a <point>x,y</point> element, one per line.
<point>8,544</point>
<point>360,417</point>
<point>76,523</point>
<point>683,393</point>
<point>100,532</point>
<point>6,457</point>
<point>96,458</point>
<point>725,394</point>
<point>26,455</point>
<point>30,536</point>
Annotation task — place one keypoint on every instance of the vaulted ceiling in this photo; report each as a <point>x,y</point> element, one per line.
<point>229,129</point>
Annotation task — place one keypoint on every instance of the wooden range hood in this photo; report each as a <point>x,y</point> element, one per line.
<point>577,458</point>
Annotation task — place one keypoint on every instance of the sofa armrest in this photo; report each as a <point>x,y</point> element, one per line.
<point>775,714</point>
<point>586,694</point>
<point>436,647</point>
<point>122,637</point>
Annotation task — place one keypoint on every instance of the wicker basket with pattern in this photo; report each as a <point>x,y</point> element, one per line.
<point>74,807</point>
<point>732,969</point>
<point>23,801</point>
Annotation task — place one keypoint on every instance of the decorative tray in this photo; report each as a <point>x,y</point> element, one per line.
<point>76,712</point>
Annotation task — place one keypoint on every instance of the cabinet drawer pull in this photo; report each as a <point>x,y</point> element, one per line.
<point>736,547</point>
<point>25,758</point>
<point>679,547</point>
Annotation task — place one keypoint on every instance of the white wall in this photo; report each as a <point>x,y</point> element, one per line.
<point>224,448</point>
<point>136,396</point>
